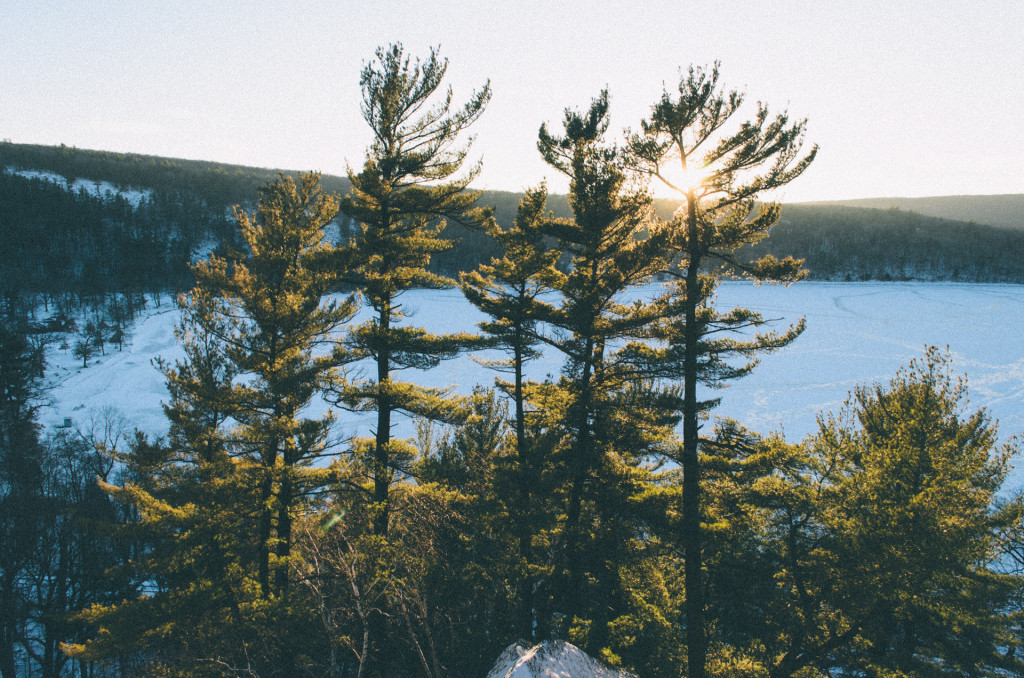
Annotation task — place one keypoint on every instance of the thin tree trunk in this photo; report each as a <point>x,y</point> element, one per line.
<point>527,477</point>
<point>374,662</point>
<point>696,648</point>
<point>284,526</point>
<point>381,470</point>
<point>266,487</point>
<point>580,465</point>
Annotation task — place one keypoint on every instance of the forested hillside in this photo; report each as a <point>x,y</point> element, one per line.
<point>214,182</point>
<point>1006,210</point>
<point>59,241</point>
<point>851,243</point>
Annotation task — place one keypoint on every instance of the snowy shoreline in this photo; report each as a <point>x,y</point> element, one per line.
<point>857,333</point>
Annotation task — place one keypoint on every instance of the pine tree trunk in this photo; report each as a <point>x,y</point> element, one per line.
<point>381,474</point>
<point>579,463</point>
<point>374,660</point>
<point>527,477</point>
<point>284,527</point>
<point>266,486</point>
<point>695,641</point>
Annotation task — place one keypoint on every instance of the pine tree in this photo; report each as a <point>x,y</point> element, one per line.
<point>721,174</point>
<point>401,199</point>
<point>509,291</point>
<point>610,249</point>
<point>195,499</point>
<point>218,501</point>
<point>889,537</point>
<point>275,301</point>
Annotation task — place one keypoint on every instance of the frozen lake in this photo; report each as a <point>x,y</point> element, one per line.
<point>861,333</point>
<point>857,333</point>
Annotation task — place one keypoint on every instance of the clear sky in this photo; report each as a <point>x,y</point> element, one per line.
<point>904,98</point>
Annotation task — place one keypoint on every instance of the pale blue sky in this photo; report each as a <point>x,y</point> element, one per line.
<point>904,98</point>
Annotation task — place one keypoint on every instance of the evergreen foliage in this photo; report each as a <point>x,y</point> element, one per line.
<point>510,290</point>
<point>887,541</point>
<point>251,541</point>
<point>723,173</point>
<point>609,248</point>
<point>401,198</point>
<point>218,501</point>
<point>277,320</point>
<point>407,190</point>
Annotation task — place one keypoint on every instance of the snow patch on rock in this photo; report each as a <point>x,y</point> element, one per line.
<point>550,659</point>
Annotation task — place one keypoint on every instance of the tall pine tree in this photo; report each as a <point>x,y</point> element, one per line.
<point>274,298</point>
<point>719,174</point>
<point>510,291</point>
<point>406,190</point>
<point>217,502</point>
<point>610,248</point>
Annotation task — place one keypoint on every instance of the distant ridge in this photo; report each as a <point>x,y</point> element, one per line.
<point>1003,210</point>
<point>58,240</point>
<point>224,182</point>
<point>216,182</point>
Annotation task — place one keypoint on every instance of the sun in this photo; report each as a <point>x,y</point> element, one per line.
<point>684,180</point>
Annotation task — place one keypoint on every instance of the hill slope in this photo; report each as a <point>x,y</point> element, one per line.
<point>1006,211</point>
<point>854,243</point>
<point>59,240</point>
<point>214,182</point>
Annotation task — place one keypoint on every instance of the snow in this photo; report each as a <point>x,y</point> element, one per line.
<point>103,189</point>
<point>204,249</point>
<point>857,334</point>
<point>861,333</point>
<point>41,175</point>
<point>550,659</point>
<point>125,381</point>
<point>98,189</point>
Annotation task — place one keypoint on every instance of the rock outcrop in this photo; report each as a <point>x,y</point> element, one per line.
<point>550,659</point>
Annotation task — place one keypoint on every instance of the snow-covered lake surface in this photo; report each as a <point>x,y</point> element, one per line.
<point>857,333</point>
